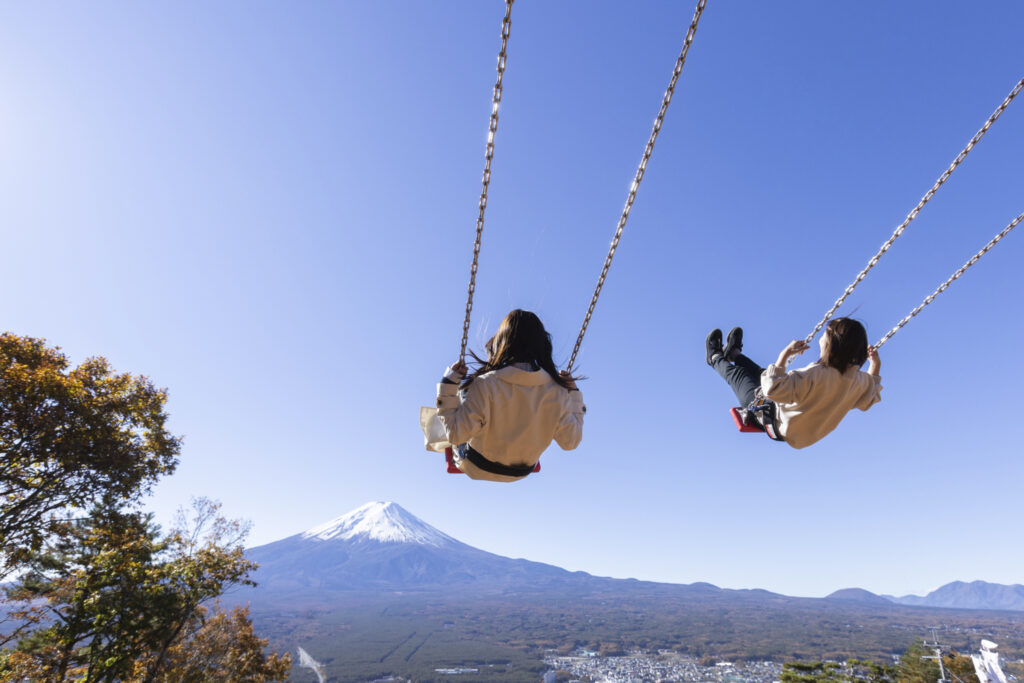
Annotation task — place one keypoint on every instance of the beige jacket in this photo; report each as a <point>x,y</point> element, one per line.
<point>510,416</point>
<point>810,402</point>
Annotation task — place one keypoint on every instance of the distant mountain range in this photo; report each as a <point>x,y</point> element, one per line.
<point>973,595</point>
<point>380,548</point>
<point>956,595</point>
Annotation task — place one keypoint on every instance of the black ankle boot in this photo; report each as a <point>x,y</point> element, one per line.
<point>713,345</point>
<point>733,344</point>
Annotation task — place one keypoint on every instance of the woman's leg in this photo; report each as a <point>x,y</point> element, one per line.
<point>750,365</point>
<point>744,377</point>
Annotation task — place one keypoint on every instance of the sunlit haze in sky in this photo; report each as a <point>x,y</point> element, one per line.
<point>269,209</point>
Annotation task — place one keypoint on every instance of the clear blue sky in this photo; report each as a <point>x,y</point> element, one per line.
<point>268,208</point>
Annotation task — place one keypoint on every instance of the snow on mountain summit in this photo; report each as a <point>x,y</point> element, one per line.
<point>383,522</point>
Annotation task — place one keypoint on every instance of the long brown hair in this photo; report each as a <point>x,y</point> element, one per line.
<point>521,338</point>
<point>846,344</point>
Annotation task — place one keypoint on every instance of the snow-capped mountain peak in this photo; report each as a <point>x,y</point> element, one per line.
<point>383,522</point>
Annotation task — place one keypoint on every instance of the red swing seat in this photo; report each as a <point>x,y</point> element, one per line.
<point>738,419</point>
<point>769,427</point>
<point>452,469</point>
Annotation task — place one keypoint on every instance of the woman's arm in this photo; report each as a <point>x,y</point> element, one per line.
<point>873,394</point>
<point>570,428</point>
<point>794,348</point>
<point>874,362</point>
<point>461,419</point>
<point>781,386</point>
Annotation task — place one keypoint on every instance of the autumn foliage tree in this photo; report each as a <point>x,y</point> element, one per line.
<point>961,667</point>
<point>70,438</point>
<point>217,646</point>
<point>918,665</point>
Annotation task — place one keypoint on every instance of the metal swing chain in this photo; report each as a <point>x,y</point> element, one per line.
<point>945,285</point>
<point>631,197</point>
<point>917,209</point>
<point>506,25</point>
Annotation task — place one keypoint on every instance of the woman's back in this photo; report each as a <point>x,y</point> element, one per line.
<point>505,414</point>
<point>811,402</point>
<point>512,415</point>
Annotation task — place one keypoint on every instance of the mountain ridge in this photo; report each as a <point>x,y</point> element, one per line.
<point>375,591</point>
<point>968,595</point>
<point>858,595</point>
<point>381,548</point>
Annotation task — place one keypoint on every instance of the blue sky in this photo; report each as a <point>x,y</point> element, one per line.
<point>269,209</point>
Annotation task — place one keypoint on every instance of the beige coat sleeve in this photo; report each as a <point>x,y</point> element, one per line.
<point>872,394</point>
<point>462,418</point>
<point>570,428</point>
<point>785,387</point>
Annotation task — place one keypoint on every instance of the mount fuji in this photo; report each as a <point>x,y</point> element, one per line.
<point>383,523</point>
<point>381,548</point>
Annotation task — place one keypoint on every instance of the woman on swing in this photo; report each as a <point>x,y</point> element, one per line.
<point>809,402</point>
<point>512,406</point>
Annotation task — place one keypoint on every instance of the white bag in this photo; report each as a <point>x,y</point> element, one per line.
<point>434,437</point>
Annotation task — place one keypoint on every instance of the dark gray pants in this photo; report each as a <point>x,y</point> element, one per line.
<point>743,376</point>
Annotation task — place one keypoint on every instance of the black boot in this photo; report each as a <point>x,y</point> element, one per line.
<point>713,345</point>
<point>733,344</point>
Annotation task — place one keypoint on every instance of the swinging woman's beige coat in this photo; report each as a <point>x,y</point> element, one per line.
<point>510,416</point>
<point>810,402</point>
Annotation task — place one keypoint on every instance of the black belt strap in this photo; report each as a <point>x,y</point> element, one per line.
<point>763,411</point>
<point>486,465</point>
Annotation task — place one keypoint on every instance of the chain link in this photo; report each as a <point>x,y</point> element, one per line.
<point>631,197</point>
<point>913,214</point>
<point>945,285</point>
<point>506,26</point>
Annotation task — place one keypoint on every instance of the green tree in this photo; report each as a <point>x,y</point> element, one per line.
<point>121,600</point>
<point>914,668</point>
<point>810,672</point>
<point>865,670</point>
<point>96,581</point>
<point>71,438</point>
<point>851,671</point>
